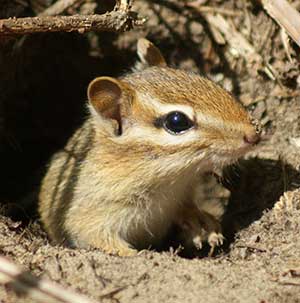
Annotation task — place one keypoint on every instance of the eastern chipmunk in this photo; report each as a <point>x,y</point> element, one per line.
<point>132,170</point>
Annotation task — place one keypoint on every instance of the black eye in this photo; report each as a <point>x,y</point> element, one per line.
<point>177,122</point>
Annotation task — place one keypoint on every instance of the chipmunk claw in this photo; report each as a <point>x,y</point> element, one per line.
<point>214,239</point>
<point>197,241</point>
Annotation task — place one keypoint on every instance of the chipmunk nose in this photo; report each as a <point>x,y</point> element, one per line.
<point>252,137</point>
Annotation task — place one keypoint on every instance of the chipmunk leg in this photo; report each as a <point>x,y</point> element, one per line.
<point>109,243</point>
<point>198,226</point>
<point>114,244</point>
<point>212,226</point>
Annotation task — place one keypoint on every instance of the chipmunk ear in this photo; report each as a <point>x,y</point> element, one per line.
<point>149,54</point>
<point>109,99</point>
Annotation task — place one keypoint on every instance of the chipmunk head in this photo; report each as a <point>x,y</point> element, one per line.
<point>163,113</point>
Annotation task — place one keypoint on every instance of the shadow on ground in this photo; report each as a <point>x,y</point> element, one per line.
<point>255,185</point>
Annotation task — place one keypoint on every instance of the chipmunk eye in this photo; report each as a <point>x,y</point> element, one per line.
<point>177,122</point>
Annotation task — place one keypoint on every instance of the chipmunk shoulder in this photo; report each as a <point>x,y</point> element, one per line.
<point>132,170</point>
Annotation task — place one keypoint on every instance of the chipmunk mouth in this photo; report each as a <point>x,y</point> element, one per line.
<point>226,161</point>
<point>226,158</point>
<point>214,162</point>
<point>238,152</point>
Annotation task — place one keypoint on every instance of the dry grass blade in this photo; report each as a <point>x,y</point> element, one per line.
<point>37,289</point>
<point>285,15</point>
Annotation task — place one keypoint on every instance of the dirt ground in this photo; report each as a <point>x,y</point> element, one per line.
<point>42,101</point>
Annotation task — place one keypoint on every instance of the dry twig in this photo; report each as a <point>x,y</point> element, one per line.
<point>285,41</point>
<point>285,15</point>
<point>37,289</point>
<point>119,20</point>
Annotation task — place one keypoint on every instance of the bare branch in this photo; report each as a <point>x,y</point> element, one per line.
<point>116,21</point>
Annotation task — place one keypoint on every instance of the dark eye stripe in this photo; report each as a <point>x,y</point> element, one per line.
<point>158,122</point>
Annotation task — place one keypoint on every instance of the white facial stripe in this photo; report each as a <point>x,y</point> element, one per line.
<point>213,122</point>
<point>159,136</point>
<point>162,108</point>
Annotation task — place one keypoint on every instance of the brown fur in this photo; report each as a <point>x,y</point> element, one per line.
<point>121,183</point>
